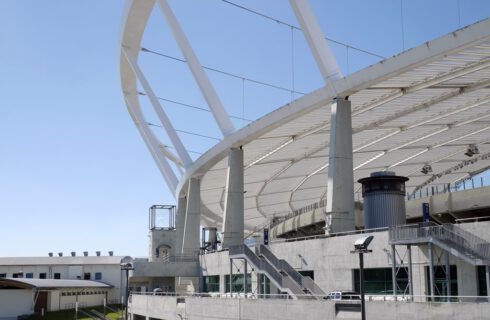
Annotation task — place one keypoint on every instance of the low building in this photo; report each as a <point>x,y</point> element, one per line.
<point>23,296</point>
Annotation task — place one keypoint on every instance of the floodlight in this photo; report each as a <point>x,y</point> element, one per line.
<point>363,243</point>
<point>472,150</point>
<point>426,169</point>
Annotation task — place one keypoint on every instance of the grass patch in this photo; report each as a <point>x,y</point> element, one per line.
<point>70,314</point>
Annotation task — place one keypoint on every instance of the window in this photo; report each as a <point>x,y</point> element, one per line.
<point>29,275</point>
<point>3,275</point>
<point>86,276</point>
<point>481,277</point>
<point>440,281</point>
<point>237,283</point>
<point>211,284</point>
<point>17,275</point>
<point>57,275</point>
<point>308,273</point>
<point>42,275</point>
<point>379,281</point>
<point>98,276</point>
<point>265,284</point>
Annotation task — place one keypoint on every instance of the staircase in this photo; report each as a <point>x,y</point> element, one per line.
<point>451,238</point>
<point>280,273</point>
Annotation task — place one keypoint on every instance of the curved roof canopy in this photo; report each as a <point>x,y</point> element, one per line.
<point>423,107</point>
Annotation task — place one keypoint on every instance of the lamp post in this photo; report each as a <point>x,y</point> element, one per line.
<point>126,266</point>
<point>361,247</point>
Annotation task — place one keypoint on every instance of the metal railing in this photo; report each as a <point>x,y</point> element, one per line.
<point>327,298</point>
<point>473,183</point>
<point>186,256</point>
<point>448,233</point>
<point>281,264</point>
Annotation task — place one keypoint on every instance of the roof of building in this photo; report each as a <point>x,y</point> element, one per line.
<point>50,283</point>
<point>77,260</point>
<point>425,106</point>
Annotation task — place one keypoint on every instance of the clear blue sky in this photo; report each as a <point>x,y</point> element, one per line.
<point>74,172</point>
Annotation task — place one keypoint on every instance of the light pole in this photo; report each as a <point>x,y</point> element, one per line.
<point>361,247</point>
<point>126,266</point>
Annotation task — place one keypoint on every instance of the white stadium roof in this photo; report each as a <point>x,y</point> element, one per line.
<point>423,106</point>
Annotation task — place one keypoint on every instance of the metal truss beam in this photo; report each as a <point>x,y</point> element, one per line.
<point>207,89</point>
<point>165,121</point>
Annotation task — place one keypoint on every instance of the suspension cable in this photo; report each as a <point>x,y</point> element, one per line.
<point>298,28</point>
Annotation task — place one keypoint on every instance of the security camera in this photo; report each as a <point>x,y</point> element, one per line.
<point>363,243</point>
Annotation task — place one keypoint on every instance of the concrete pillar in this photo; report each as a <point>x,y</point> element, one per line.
<point>190,241</point>
<point>233,219</point>
<point>340,186</point>
<point>179,224</point>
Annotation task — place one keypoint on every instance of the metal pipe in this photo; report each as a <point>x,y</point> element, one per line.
<point>410,274</point>
<point>361,285</point>
<point>448,273</point>
<point>431,271</point>
<point>393,269</point>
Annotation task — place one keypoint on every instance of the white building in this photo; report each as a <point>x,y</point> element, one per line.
<point>422,114</point>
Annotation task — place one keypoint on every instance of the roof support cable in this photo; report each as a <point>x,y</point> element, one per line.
<point>257,13</point>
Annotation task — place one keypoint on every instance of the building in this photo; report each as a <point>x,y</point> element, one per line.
<point>24,296</point>
<point>103,271</point>
<point>294,180</point>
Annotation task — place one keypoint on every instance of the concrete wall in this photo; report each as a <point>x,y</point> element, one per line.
<point>15,302</point>
<point>332,262</point>
<point>161,307</point>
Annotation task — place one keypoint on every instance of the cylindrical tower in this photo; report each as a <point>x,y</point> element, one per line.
<point>384,200</point>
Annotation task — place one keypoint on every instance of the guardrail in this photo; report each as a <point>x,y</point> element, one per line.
<point>447,233</point>
<point>326,298</point>
<point>473,183</point>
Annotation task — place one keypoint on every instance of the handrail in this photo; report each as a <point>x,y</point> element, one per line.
<point>448,233</point>
<point>281,264</point>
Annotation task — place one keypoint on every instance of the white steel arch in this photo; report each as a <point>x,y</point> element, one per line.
<point>422,106</point>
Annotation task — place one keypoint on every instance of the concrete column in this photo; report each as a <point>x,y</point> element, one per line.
<point>179,224</point>
<point>233,219</point>
<point>190,241</point>
<point>340,186</point>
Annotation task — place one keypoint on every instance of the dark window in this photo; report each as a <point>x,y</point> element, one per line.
<point>482,281</point>
<point>42,275</point>
<point>237,283</point>
<point>57,275</point>
<point>308,273</point>
<point>379,281</point>
<point>98,276</point>
<point>17,275</point>
<point>440,281</point>
<point>86,276</point>
<point>3,275</point>
<point>265,284</point>
<point>29,275</point>
<point>211,284</point>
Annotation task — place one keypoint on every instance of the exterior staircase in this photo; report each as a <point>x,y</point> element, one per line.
<point>451,238</point>
<point>280,273</point>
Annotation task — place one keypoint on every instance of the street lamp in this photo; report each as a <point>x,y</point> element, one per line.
<point>361,247</point>
<point>127,266</point>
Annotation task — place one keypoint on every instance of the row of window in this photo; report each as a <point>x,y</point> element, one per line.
<point>83,293</point>
<point>211,283</point>
<point>56,275</point>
